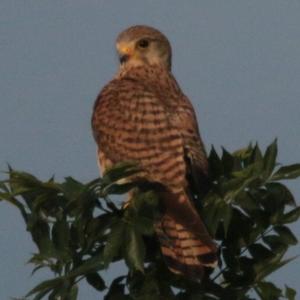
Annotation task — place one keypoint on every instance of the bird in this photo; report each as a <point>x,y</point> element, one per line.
<point>142,115</point>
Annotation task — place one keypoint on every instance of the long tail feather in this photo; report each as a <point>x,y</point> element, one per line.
<point>185,242</point>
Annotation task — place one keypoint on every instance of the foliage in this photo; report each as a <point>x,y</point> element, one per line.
<point>79,231</point>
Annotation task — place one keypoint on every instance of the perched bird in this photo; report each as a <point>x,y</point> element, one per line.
<point>142,115</point>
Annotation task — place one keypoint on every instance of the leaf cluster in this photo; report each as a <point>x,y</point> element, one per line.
<point>79,231</point>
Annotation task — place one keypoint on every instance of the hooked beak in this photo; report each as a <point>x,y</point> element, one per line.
<point>123,58</point>
<point>125,53</point>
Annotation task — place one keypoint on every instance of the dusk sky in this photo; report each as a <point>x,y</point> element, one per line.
<point>238,61</point>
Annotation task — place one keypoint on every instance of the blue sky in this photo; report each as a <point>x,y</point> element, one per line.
<point>238,61</point>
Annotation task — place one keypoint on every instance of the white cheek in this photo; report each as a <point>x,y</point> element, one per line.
<point>154,57</point>
<point>154,60</point>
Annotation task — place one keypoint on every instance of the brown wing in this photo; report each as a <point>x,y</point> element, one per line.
<point>187,121</point>
<point>195,154</point>
<point>131,122</point>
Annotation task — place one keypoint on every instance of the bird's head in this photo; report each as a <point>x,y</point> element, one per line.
<point>143,45</point>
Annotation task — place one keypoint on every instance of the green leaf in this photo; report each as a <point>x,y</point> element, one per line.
<point>245,275</point>
<point>291,216</point>
<point>290,293</point>
<point>212,212</point>
<point>240,229</point>
<point>149,198</point>
<point>243,153</point>
<point>66,291</point>
<point>275,243</point>
<point>99,226</point>
<point>227,214</point>
<point>41,235</point>
<point>281,193</point>
<point>46,285</point>
<point>227,161</point>
<point>270,158</point>
<point>119,171</point>
<point>256,155</point>
<point>268,291</point>
<point>233,187</point>
<point>118,189</point>
<point>73,293</point>
<point>287,172</point>
<point>144,225</point>
<point>61,237</point>
<point>215,164</point>
<point>245,172</point>
<point>37,268</point>
<point>116,290</point>
<point>41,294</point>
<point>3,186</point>
<point>274,198</point>
<point>22,182</point>
<point>90,265</point>
<point>259,252</point>
<point>286,235</point>
<point>148,287</point>
<point>114,242</point>
<point>134,249</point>
<point>247,203</point>
<point>72,188</point>
<point>96,281</point>
<point>270,266</point>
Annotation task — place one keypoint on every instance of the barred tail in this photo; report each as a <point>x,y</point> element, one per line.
<point>185,242</point>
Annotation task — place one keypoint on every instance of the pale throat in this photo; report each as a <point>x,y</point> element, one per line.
<point>142,70</point>
<point>152,65</point>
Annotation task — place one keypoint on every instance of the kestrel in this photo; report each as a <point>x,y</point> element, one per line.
<point>142,115</point>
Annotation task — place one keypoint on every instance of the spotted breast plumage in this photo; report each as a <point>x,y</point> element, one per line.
<point>142,115</point>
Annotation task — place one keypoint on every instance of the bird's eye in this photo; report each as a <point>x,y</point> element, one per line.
<point>143,43</point>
